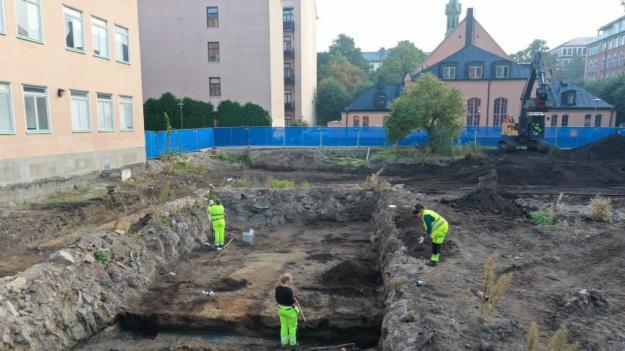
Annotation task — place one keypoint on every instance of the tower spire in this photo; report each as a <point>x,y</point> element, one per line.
<point>453,10</point>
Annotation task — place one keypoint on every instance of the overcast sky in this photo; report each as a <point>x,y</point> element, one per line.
<point>513,23</point>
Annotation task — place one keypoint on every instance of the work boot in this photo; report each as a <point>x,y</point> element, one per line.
<point>219,248</point>
<point>431,263</point>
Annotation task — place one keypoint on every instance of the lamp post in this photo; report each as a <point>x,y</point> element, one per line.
<point>181,105</point>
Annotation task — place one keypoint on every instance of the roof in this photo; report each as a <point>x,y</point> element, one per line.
<point>375,56</point>
<point>470,54</point>
<point>583,98</point>
<point>365,102</point>
<point>575,42</point>
<point>607,26</point>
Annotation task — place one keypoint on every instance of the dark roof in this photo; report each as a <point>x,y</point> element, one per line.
<point>583,98</point>
<point>365,102</point>
<point>471,54</point>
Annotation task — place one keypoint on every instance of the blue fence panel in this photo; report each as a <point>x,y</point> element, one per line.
<point>415,139</point>
<point>372,136</point>
<point>266,136</point>
<point>205,138</point>
<point>151,144</point>
<point>303,137</point>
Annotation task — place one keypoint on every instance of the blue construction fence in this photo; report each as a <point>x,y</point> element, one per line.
<point>179,141</point>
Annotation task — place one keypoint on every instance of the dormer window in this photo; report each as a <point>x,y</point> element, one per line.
<point>502,72</point>
<point>568,97</point>
<point>475,72</point>
<point>449,73</point>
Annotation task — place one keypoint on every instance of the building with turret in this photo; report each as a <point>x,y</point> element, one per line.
<point>453,10</point>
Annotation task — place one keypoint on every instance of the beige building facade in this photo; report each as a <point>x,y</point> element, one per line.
<point>70,88</point>
<point>259,51</point>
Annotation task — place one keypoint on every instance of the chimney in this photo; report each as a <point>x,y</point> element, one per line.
<point>470,23</point>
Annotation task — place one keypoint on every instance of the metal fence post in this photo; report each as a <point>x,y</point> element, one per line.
<point>321,137</point>
<point>358,138</point>
<point>197,143</point>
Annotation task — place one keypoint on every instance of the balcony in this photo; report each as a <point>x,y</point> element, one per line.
<point>289,54</point>
<point>288,25</point>
<point>289,106</point>
<point>289,78</point>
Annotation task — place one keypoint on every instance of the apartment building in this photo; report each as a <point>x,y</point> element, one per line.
<point>570,50</point>
<point>259,51</point>
<point>606,52</point>
<point>70,88</point>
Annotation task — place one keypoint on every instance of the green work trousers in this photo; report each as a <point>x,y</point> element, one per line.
<point>288,326</point>
<point>438,238</point>
<point>219,229</point>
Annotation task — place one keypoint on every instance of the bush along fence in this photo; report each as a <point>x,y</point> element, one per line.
<point>178,141</point>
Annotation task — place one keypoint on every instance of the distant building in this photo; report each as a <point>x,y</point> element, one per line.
<point>571,49</point>
<point>375,58</point>
<point>453,10</point>
<point>70,88</point>
<point>491,83</point>
<point>259,51</point>
<point>606,52</point>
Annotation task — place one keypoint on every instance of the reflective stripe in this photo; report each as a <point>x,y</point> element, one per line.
<point>438,220</point>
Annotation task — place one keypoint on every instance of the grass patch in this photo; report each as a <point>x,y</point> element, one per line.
<point>78,196</point>
<point>375,183</point>
<point>558,342</point>
<point>542,217</point>
<point>102,257</point>
<point>425,153</point>
<point>601,210</point>
<point>273,183</point>
<point>348,161</point>
<point>165,194</point>
<point>494,288</point>
<point>305,185</point>
<point>245,159</point>
<point>243,182</point>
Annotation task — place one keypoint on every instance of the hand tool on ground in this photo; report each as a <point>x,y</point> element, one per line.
<point>224,250</point>
<point>301,311</point>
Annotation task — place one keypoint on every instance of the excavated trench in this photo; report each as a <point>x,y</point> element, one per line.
<point>320,236</point>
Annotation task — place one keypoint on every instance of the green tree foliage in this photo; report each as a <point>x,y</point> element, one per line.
<point>574,71</point>
<point>334,96</point>
<point>429,105</point>
<point>612,91</point>
<point>164,114</point>
<point>345,46</point>
<point>527,55</point>
<point>402,59</point>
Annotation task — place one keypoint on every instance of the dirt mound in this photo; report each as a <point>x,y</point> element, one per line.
<point>490,201</point>
<point>323,258</point>
<point>228,284</point>
<point>608,148</point>
<point>351,273</point>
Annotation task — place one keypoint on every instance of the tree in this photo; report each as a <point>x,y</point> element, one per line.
<point>527,55</point>
<point>345,46</point>
<point>612,91</point>
<point>197,114</point>
<point>334,97</point>
<point>350,76</point>
<point>574,71</point>
<point>429,105</point>
<point>404,58</point>
<point>232,114</point>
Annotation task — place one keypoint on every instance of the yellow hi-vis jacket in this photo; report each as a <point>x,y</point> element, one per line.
<point>436,226</point>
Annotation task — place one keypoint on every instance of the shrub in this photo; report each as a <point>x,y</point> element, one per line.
<point>165,194</point>
<point>542,217</point>
<point>494,289</point>
<point>280,184</point>
<point>305,185</point>
<point>601,209</point>
<point>559,341</point>
<point>243,182</point>
<point>374,182</point>
<point>102,257</point>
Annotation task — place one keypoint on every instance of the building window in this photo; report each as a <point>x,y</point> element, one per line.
<point>213,51</point>
<point>126,111</point>
<point>29,19</point>
<point>501,109</point>
<point>598,121</point>
<point>288,96</point>
<point>74,31</point>
<point>587,120</point>
<point>6,109</point>
<point>356,121</point>
<point>554,120</point>
<point>502,72</point>
<point>449,73</point>
<point>81,115</point>
<point>473,117</point>
<point>569,97</point>
<point>365,121</point>
<point>36,108</point>
<point>106,121</point>
<point>100,38</point>
<point>212,17</point>
<point>288,43</point>
<point>565,120</point>
<point>122,43</point>
<point>2,29</point>
<point>214,86</point>
<point>475,72</point>
<point>287,15</point>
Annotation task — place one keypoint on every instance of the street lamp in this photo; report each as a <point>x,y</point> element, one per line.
<point>181,105</point>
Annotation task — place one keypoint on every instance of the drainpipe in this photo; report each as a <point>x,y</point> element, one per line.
<point>488,103</point>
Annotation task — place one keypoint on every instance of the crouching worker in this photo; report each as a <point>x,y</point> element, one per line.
<point>288,312</point>
<point>437,227</point>
<point>217,218</point>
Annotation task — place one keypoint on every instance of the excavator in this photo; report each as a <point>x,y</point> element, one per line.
<point>529,132</point>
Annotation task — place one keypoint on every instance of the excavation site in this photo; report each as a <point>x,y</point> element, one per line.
<point>534,254</point>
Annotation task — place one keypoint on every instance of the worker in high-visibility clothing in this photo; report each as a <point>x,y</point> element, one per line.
<point>436,226</point>
<point>288,311</point>
<point>217,218</point>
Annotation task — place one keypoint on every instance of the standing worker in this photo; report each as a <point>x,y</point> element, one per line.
<point>217,218</point>
<point>288,312</point>
<point>436,226</point>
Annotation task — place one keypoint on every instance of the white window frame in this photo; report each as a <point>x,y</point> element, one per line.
<point>504,69</point>
<point>119,30</point>
<point>481,70</point>
<point>31,94</point>
<point>8,92</point>
<point>447,73</point>
<point>99,24</point>
<point>126,100</point>
<point>85,99</point>
<point>3,28</point>
<point>100,98</point>
<point>40,19</point>
<point>74,15</point>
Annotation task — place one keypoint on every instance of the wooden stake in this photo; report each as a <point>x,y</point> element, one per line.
<point>224,250</point>
<point>301,311</point>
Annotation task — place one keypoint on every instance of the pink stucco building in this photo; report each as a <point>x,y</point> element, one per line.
<point>70,88</point>
<point>491,83</point>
